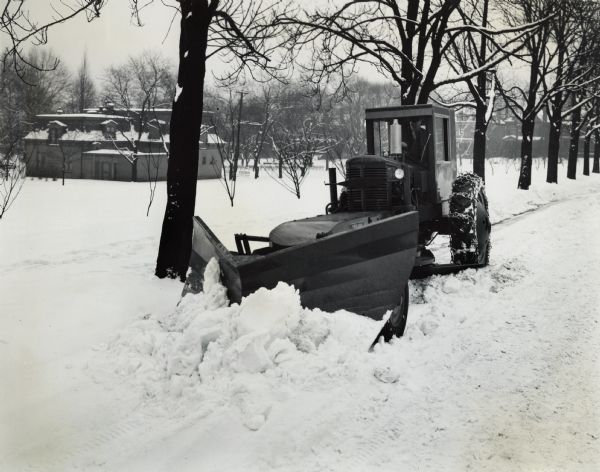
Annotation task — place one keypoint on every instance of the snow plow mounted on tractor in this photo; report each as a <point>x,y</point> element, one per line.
<point>373,237</point>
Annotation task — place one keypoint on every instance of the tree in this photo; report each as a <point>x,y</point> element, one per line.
<point>45,85</point>
<point>471,51</point>
<point>242,32</point>
<point>21,27</point>
<point>83,90</point>
<point>596,165</point>
<point>295,149</point>
<point>569,32</point>
<point>592,128</point>
<point>563,32</point>
<point>582,116</point>
<point>346,121</point>
<point>23,95</point>
<point>12,167</point>
<point>140,86</point>
<point>260,112</point>
<point>527,99</point>
<point>227,127</point>
<point>404,41</point>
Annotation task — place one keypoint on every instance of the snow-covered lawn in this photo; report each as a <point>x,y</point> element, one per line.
<point>102,370</point>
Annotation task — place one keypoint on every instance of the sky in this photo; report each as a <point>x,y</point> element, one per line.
<point>114,36</point>
<point>111,38</point>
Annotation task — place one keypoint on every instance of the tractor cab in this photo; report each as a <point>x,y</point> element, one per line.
<point>420,139</point>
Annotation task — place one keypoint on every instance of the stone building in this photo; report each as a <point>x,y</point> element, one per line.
<point>99,144</point>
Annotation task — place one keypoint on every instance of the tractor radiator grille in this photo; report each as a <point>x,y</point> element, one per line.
<point>371,191</point>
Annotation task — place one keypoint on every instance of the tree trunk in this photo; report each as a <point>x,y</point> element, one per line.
<point>481,110</point>
<point>280,173</point>
<point>596,166</point>
<point>186,119</point>
<point>574,147</point>
<point>526,151</point>
<point>586,155</point>
<point>408,92</point>
<point>553,147</point>
<point>479,141</point>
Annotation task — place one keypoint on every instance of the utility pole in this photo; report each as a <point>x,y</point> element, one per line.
<point>236,154</point>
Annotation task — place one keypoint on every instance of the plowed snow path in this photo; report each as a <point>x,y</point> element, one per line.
<point>499,370</point>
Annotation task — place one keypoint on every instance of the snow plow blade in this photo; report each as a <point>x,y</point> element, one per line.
<point>362,270</point>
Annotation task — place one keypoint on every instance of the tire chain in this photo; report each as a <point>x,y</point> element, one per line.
<point>463,208</point>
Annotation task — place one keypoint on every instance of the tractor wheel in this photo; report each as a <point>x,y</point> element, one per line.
<point>471,227</point>
<point>400,314</point>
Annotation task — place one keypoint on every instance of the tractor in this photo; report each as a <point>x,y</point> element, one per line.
<point>374,234</point>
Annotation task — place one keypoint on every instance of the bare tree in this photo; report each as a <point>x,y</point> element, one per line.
<point>564,33</point>
<point>12,168</point>
<point>346,121</point>
<point>22,97</point>
<point>44,88</point>
<point>140,86</point>
<point>12,177</point>
<point>592,127</point>
<point>545,58</point>
<point>296,149</point>
<point>527,100</point>
<point>471,51</point>
<point>583,115</point>
<point>254,143</point>
<point>596,165</point>
<point>405,42</point>
<point>243,32</point>
<point>21,27</point>
<point>83,89</point>
<point>227,126</point>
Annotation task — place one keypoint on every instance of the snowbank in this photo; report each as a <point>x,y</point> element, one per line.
<point>250,354</point>
<point>257,354</point>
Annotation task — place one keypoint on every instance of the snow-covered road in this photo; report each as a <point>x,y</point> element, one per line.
<point>499,369</point>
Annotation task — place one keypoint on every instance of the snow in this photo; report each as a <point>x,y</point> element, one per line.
<point>106,368</point>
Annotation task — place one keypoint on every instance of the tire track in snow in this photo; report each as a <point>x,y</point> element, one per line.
<point>512,387</point>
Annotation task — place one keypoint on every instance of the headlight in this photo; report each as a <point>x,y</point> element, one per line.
<point>399,174</point>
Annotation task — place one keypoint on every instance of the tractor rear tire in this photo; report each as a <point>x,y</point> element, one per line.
<point>399,314</point>
<point>471,227</point>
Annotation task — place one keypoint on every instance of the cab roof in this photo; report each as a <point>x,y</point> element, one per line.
<point>407,111</point>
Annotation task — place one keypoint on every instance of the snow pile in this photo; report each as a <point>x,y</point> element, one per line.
<point>250,356</point>
<point>245,361</point>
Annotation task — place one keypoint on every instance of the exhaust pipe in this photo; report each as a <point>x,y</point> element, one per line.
<point>333,195</point>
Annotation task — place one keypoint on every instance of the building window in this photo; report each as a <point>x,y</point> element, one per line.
<point>203,160</point>
<point>441,139</point>
<point>212,161</point>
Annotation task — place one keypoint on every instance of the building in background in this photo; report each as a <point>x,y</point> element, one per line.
<point>98,145</point>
